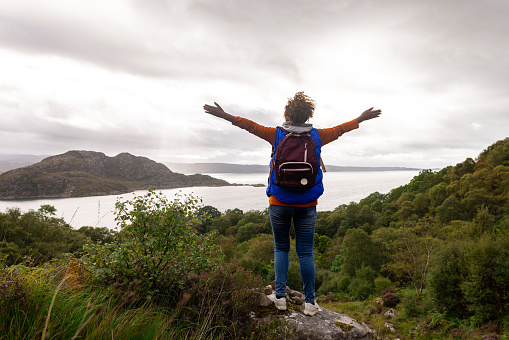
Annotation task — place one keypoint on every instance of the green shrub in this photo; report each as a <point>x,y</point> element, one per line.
<point>157,246</point>
<point>224,298</point>
<point>13,290</point>
<point>415,305</point>
<point>486,287</point>
<point>382,283</point>
<point>331,283</point>
<point>363,285</point>
<point>448,271</point>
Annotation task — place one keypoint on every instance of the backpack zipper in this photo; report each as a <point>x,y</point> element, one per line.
<point>305,152</point>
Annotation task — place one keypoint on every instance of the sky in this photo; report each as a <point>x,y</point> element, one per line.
<point>133,75</point>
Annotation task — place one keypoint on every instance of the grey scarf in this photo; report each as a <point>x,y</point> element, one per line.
<point>297,128</point>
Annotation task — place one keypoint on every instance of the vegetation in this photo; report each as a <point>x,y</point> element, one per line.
<point>434,252</point>
<point>155,279</point>
<point>441,242</point>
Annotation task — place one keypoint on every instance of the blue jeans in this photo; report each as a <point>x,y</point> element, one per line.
<point>304,221</point>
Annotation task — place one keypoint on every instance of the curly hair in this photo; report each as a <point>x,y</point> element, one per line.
<point>299,108</point>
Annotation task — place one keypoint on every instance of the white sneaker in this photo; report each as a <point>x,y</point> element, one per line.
<point>310,309</point>
<point>280,303</point>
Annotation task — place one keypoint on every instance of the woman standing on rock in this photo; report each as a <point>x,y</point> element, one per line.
<point>288,202</point>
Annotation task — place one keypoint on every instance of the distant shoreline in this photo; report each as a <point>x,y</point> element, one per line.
<point>211,168</point>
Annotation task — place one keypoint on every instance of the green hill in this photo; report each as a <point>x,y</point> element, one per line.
<point>89,173</point>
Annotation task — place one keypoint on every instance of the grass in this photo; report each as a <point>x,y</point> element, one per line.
<point>55,301</point>
<point>53,305</point>
<point>430,327</point>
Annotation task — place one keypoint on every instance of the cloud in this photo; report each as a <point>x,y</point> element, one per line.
<point>133,75</point>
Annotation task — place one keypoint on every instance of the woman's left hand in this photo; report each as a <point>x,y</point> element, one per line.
<point>217,111</point>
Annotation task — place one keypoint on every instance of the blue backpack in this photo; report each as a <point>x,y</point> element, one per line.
<point>295,174</point>
<point>295,162</point>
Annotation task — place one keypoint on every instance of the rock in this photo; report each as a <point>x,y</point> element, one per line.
<point>324,325</point>
<point>267,290</point>
<point>294,293</point>
<point>390,326</point>
<point>263,300</point>
<point>390,313</point>
<point>294,296</point>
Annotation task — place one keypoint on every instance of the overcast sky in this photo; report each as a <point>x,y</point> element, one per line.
<point>132,76</point>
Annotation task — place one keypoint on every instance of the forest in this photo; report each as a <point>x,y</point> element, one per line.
<point>436,250</point>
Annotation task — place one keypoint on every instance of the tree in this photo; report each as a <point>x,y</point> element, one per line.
<point>47,210</point>
<point>412,253</point>
<point>98,234</point>
<point>421,204</point>
<point>358,250</point>
<point>438,194</point>
<point>36,236</point>
<point>447,272</point>
<point>450,209</point>
<point>246,232</point>
<point>208,211</point>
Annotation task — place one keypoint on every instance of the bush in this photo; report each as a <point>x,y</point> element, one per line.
<point>363,285</point>
<point>36,236</point>
<point>382,284</point>
<point>414,304</point>
<point>486,286</point>
<point>222,297</point>
<point>157,246</point>
<point>331,283</point>
<point>390,299</point>
<point>447,272</point>
<point>13,291</point>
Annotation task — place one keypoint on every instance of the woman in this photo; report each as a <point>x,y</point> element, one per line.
<point>287,205</point>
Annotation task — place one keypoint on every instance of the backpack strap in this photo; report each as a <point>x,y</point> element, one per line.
<point>322,165</point>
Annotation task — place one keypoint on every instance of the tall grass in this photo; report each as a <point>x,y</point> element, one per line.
<point>49,302</point>
<point>77,312</point>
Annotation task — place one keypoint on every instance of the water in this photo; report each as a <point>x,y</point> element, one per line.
<point>340,188</point>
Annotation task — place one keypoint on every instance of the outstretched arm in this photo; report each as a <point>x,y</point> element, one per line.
<point>369,114</point>
<point>218,112</point>
<point>331,134</point>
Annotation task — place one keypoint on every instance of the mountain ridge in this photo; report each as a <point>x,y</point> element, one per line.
<point>79,173</point>
<point>210,168</point>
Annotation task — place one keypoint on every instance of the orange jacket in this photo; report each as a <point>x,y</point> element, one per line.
<point>268,134</point>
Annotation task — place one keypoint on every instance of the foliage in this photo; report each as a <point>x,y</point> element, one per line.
<point>358,251</point>
<point>389,298</point>
<point>156,245</point>
<point>363,283</point>
<point>36,236</point>
<point>98,234</point>
<point>412,253</point>
<point>13,291</point>
<point>415,304</point>
<point>222,297</point>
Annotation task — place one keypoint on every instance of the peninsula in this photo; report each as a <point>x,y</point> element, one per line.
<point>90,173</point>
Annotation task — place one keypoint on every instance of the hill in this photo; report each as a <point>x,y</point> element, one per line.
<point>210,168</point>
<point>89,173</point>
<point>13,161</point>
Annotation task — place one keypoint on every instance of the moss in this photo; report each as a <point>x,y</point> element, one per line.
<point>261,312</point>
<point>344,326</point>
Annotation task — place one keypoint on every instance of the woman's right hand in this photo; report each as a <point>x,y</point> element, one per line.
<point>369,114</point>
